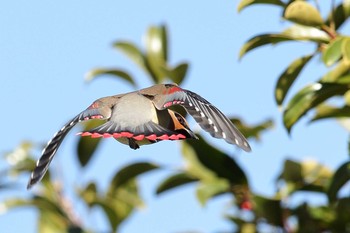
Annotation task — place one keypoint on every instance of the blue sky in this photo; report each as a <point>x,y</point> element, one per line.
<point>46,48</point>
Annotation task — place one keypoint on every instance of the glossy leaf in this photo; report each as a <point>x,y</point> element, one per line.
<point>133,52</point>
<point>156,51</point>
<point>87,146</point>
<point>325,111</point>
<point>308,98</point>
<point>130,172</point>
<point>288,77</point>
<point>303,13</point>
<point>175,181</point>
<point>306,33</point>
<point>252,131</point>
<point>261,40</point>
<point>268,209</point>
<point>222,165</point>
<point>207,190</point>
<point>93,74</point>
<point>333,52</point>
<point>245,3</point>
<point>340,177</point>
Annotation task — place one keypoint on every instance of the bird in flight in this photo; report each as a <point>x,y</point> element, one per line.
<point>143,117</point>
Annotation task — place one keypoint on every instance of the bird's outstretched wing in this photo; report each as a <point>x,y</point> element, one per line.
<point>50,150</point>
<point>210,118</point>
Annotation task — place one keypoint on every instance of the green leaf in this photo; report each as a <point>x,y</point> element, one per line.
<point>308,98</point>
<point>87,146</point>
<point>333,52</point>
<point>324,111</point>
<point>50,222</point>
<point>340,177</point>
<point>93,74</point>
<point>306,33</point>
<point>202,157</point>
<point>268,209</point>
<point>339,15</point>
<point>129,172</point>
<point>89,194</point>
<point>175,181</point>
<point>177,74</point>
<point>207,190</point>
<point>303,13</point>
<point>338,73</point>
<point>244,3</point>
<point>288,77</point>
<point>156,51</point>
<point>252,131</point>
<point>261,40</point>
<point>134,53</point>
<point>345,48</point>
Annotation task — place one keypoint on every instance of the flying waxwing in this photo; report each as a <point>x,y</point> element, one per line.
<point>142,117</point>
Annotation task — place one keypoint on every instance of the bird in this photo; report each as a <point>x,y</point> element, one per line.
<point>143,117</point>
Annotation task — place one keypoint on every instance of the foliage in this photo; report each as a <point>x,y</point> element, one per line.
<point>213,171</point>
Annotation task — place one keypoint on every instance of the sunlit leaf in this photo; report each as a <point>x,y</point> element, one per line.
<point>252,131</point>
<point>51,222</point>
<point>87,146</point>
<point>345,48</point>
<point>175,181</point>
<point>306,33</point>
<point>222,165</point>
<point>207,190</point>
<point>326,111</point>
<point>333,52</point>
<point>245,3</point>
<point>340,177</point>
<point>303,13</point>
<point>309,97</point>
<point>89,194</point>
<point>156,50</point>
<point>288,77</point>
<point>337,74</point>
<point>268,209</point>
<point>261,40</point>
<point>93,74</point>
<point>131,171</point>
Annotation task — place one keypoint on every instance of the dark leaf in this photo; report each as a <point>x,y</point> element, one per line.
<point>245,3</point>
<point>175,181</point>
<point>213,159</point>
<point>130,172</point>
<point>339,15</point>
<point>268,209</point>
<point>87,145</point>
<point>303,13</point>
<point>340,177</point>
<point>93,74</point>
<point>309,97</point>
<point>288,77</point>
